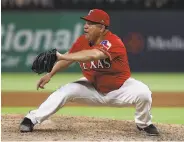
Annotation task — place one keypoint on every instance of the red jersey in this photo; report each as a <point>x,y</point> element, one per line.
<point>107,74</point>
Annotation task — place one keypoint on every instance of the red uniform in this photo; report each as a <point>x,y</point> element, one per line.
<point>108,74</point>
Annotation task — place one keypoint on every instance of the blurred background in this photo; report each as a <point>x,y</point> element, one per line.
<point>152,30</point>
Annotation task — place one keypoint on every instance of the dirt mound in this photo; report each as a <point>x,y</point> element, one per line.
<point>67,128</point>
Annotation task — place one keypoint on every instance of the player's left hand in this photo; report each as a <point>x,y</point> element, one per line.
<point>45,61</point>
<point>44,80</point>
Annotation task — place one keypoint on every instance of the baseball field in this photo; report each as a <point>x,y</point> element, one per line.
<point>79,122</point>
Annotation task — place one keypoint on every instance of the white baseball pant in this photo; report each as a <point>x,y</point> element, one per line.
<point>81,91</point>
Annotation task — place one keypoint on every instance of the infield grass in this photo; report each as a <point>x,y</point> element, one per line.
<point>160,82</point>
<point>160,115</point>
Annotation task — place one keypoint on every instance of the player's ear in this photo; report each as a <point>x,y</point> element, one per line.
<point>102,28</point>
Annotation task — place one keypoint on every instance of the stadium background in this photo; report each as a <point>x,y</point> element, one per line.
<point>152,31</point>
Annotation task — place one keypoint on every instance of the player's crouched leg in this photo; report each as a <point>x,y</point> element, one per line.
<point>143,115</point>
<point>56,100</point>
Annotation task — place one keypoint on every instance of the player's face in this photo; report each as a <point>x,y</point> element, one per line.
<point>92,30</point>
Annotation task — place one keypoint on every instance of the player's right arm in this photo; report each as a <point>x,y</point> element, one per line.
<point>60,65</point>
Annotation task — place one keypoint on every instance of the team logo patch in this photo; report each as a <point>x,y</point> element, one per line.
<point>106,44</point>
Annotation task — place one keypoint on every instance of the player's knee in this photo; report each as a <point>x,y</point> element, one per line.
<point>145,95</point>
<point>70,89</point>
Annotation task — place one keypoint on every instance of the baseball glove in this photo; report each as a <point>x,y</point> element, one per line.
<point>44,62</point>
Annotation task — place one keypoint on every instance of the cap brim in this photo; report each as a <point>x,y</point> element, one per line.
<point>87,19</point>
<point>83,18</point>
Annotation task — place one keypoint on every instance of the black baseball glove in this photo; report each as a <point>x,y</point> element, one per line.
<point>44,62</point>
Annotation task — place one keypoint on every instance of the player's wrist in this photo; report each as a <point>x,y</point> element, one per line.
<point>49,75</point>
<point>59,56</point>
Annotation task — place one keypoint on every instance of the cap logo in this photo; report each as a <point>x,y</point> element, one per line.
<point>90,12</point>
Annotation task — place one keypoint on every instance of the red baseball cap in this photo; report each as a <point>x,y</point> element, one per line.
<point>98,16</point>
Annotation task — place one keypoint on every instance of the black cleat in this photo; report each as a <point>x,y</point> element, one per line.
<point>150,130</point>
<point>26,125</point>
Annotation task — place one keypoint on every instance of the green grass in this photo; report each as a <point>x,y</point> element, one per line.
<point>160,115</point>
<point>28,81</point>
<point>170,82</point>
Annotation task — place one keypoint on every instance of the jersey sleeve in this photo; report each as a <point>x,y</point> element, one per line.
<point>111,48</point>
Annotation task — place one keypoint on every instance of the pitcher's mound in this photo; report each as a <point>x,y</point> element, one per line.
<point>68,128</point>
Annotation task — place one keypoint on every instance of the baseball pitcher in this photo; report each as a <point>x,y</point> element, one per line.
<point>107,78</point>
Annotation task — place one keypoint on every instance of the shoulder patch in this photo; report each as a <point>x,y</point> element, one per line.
<point>106,44</point>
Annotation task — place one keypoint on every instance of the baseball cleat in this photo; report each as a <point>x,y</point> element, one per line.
<point>26,125</point>
<point>150,130</point>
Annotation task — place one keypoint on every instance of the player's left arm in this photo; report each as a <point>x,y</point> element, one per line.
<point>83,56</point>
